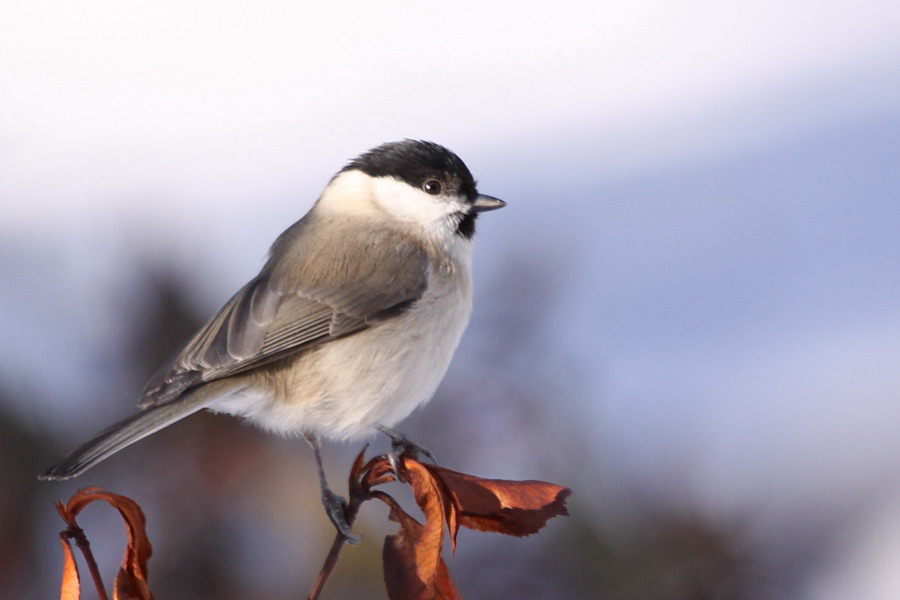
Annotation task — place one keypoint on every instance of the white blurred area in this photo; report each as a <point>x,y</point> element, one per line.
<point>711,192</point>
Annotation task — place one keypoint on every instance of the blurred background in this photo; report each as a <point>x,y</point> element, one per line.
<point>689,313</point>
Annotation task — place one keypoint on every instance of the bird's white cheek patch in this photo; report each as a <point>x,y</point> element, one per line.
<point>407,203</point>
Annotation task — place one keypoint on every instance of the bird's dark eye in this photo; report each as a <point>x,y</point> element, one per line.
<point>432,186</point>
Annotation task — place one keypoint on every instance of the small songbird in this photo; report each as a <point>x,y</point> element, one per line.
<point>350,325</point>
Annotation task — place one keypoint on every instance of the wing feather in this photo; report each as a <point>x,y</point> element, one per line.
<point>296,303</point>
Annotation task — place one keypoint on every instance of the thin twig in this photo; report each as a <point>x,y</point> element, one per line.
<point>75,532</point>
<point>356,501</point>
<point>363,477</point>
<point>328,567</point>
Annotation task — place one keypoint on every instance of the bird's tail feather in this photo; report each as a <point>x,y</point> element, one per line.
<point>138,426</point>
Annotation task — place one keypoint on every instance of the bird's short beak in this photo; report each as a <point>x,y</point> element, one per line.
<point>485,203</point>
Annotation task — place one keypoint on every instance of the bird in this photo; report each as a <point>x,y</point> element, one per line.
<point>350,325</point>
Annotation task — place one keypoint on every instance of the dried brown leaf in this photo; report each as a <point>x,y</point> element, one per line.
<point>356,470</point>
<point>414,568</point>
<point>517,508</point>
<point>403,571</point>
<point>71,582</point>
<point>131,581</point>
<point>431,500</point>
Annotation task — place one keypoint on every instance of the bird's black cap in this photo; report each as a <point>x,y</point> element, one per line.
<point>415,162</point>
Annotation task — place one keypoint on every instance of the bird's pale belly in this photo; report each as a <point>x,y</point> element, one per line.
<point>345,388</point>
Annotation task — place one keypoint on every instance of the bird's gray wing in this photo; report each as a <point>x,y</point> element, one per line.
<point>306,295</point>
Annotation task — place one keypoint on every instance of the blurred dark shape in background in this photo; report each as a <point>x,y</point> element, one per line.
<point>21,454</point>
<point>234,513</point>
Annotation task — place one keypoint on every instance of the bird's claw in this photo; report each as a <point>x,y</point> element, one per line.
<point>402,445</point>
<point>336,509</point>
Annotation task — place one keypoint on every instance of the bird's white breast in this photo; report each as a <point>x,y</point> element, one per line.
<point>345,388</point>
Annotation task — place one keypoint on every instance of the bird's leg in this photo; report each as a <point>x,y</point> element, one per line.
<point>335,505</point>
<point>400,444</point>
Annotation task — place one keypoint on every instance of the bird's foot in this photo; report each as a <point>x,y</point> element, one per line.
<point>400,445</point>
<point>336,509</point>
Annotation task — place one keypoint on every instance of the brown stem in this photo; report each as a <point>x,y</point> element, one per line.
<point>75,532</point>
<point>337,545</point>
<point>363,477</point>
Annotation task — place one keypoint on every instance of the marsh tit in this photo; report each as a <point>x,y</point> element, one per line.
<point>350,325</point>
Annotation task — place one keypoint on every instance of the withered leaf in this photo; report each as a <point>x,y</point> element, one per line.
<point>71,582</point>
<point>131,581</point>
<point>517,508</point>
<point>431,500</point>
<point>413,566</point>
<point>403,557</point>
